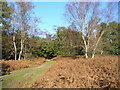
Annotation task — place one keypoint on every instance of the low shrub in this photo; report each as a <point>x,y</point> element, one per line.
<point>11,65</point>
<point>100,72</point>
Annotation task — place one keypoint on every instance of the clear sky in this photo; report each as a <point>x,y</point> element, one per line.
<point>50,13</point>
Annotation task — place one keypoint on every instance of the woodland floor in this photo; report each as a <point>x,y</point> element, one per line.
<point>67,72</point>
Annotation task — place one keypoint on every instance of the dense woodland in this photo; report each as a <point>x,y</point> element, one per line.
<point>21,38</point>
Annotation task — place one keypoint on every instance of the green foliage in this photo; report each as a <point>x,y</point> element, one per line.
<point>72,41</point>
<point>110,39</point>
<point>49,49</point>
<point>62,43</point>
<point>6,15</point>
<point>7,49</point>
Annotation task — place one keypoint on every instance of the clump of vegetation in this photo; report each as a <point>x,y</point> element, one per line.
<point>100,72</point>
<point>11,65</point>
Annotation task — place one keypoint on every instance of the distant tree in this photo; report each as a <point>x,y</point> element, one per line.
<point>6,16</point>
<point>110,39</point>
<point>32,44</point>
<point>71,40</point>
<point>7,46</point>
<point>48,48</point>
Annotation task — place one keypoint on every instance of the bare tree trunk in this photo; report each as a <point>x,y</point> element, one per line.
<point>21,50</point>
<point>94,50</point>
<point>86,47</point>
<point>25,48</point>
<point>93,54</point>
<point>15,47</point>
<point>101,52</point>
<point>86,52</point>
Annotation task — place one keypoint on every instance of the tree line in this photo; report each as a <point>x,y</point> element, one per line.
<point>90,32</point>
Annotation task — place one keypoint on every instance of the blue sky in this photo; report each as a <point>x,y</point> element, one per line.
<point>50,13</point>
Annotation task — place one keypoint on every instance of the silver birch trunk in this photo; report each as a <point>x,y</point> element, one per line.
<point>101,52</point>
<point>94,50</point>
<point>86,48</point>
<point>21,50</point>
<point>15,48</point>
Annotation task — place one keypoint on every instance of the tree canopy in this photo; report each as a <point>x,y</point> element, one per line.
<point>94,36</point>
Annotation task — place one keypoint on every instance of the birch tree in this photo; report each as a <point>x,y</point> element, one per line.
<point>24,26</point>
<point>25,9</point>
<point>86,16</point>
<point>13,28</point>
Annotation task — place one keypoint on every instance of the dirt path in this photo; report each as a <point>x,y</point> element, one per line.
<point>25,77</point>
